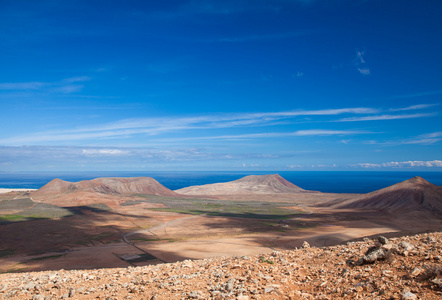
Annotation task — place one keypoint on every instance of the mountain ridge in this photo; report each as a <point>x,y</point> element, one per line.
<point>413,194</point>
<point>254,184</point>
<point>106,185</point>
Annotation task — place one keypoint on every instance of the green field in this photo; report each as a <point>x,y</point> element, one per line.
<point>240,209</point>
<point>16,204</point>
<point>30,210</point>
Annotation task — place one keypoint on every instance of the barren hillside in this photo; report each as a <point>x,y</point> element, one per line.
<point>109,185</point>
<point>253,184</point>
<point>111,191</point>
<point>395,268</point>
<point>410,195</point>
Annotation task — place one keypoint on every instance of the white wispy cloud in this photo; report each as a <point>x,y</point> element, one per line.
<point>158,126</point>
<point>416,95</point>
<point>328,132</point>
<point>360,63</point>
<point>309,132</point>
<point>71,155</point>
<point>386,117</point>
<point>67,89</point>
<point>77,79</point>
<point>402,164</point>
<point>68,85</point>
<point>367,165</point>
<point>414,107</point>
<point>295,166</point>
<point>415,163</point>
<point>260,37</point>
<point>155,126</point>
<point>360,57</point>
<point>111,152</point>
<point>228,7</point>
<point>425,139</point>
<point>33,85</point>
<point>364,71</point>
<point>208,8</point>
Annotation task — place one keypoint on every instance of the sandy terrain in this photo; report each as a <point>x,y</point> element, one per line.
<point>3,190</point>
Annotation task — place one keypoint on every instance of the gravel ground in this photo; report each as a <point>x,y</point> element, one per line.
<point>408,267</point>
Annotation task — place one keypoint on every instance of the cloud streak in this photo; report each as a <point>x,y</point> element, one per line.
<point>33,85</point>
<point>414,107</point>
<point>402,164</point>
<point>425,139</point>
<point>309,132</point>
<point>416,95</point>
<point>156,126</point>
<point>65,86</point>
<point>364,71</point>
<point>260,37</point>
<point>361,63</point>
<point>133,157</point>
<point>386,117</point>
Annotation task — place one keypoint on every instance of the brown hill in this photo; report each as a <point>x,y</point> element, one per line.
<point>56,186</point>
<point>253,184</point>
<point>413,194</point>
<point>110,186</point>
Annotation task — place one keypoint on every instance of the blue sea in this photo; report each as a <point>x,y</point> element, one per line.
<point>324,181</point>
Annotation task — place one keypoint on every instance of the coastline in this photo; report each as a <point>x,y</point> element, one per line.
<point>7,190</point>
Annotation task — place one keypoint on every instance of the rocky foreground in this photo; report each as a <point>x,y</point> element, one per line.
<point>408,267</point>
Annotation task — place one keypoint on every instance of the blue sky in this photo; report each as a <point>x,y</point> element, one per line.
<point>220,85</point>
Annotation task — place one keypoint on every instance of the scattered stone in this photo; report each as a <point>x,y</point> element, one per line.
<point>409,296</point>
<point>230,285</point>
<point>305,245</point>
<point>374,254</point>
<point>310,273</point>
<point>306,296</point>
<point>193,295</point>
<point>437,281</point>
<point>29,286</point>
<point>389,247</point>
<point>187,264</point>
<point>383,240</point>
<point>405,248</point>
<point>429,239</point>
<point>415,272</point>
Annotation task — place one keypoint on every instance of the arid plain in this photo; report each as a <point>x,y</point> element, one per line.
<point>120,222</point>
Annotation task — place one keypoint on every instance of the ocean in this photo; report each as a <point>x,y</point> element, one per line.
<point>324,181</point>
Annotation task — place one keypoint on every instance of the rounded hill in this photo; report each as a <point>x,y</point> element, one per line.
<point>413,194</point>
<point>253,184</point>
<point>109,185</point>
